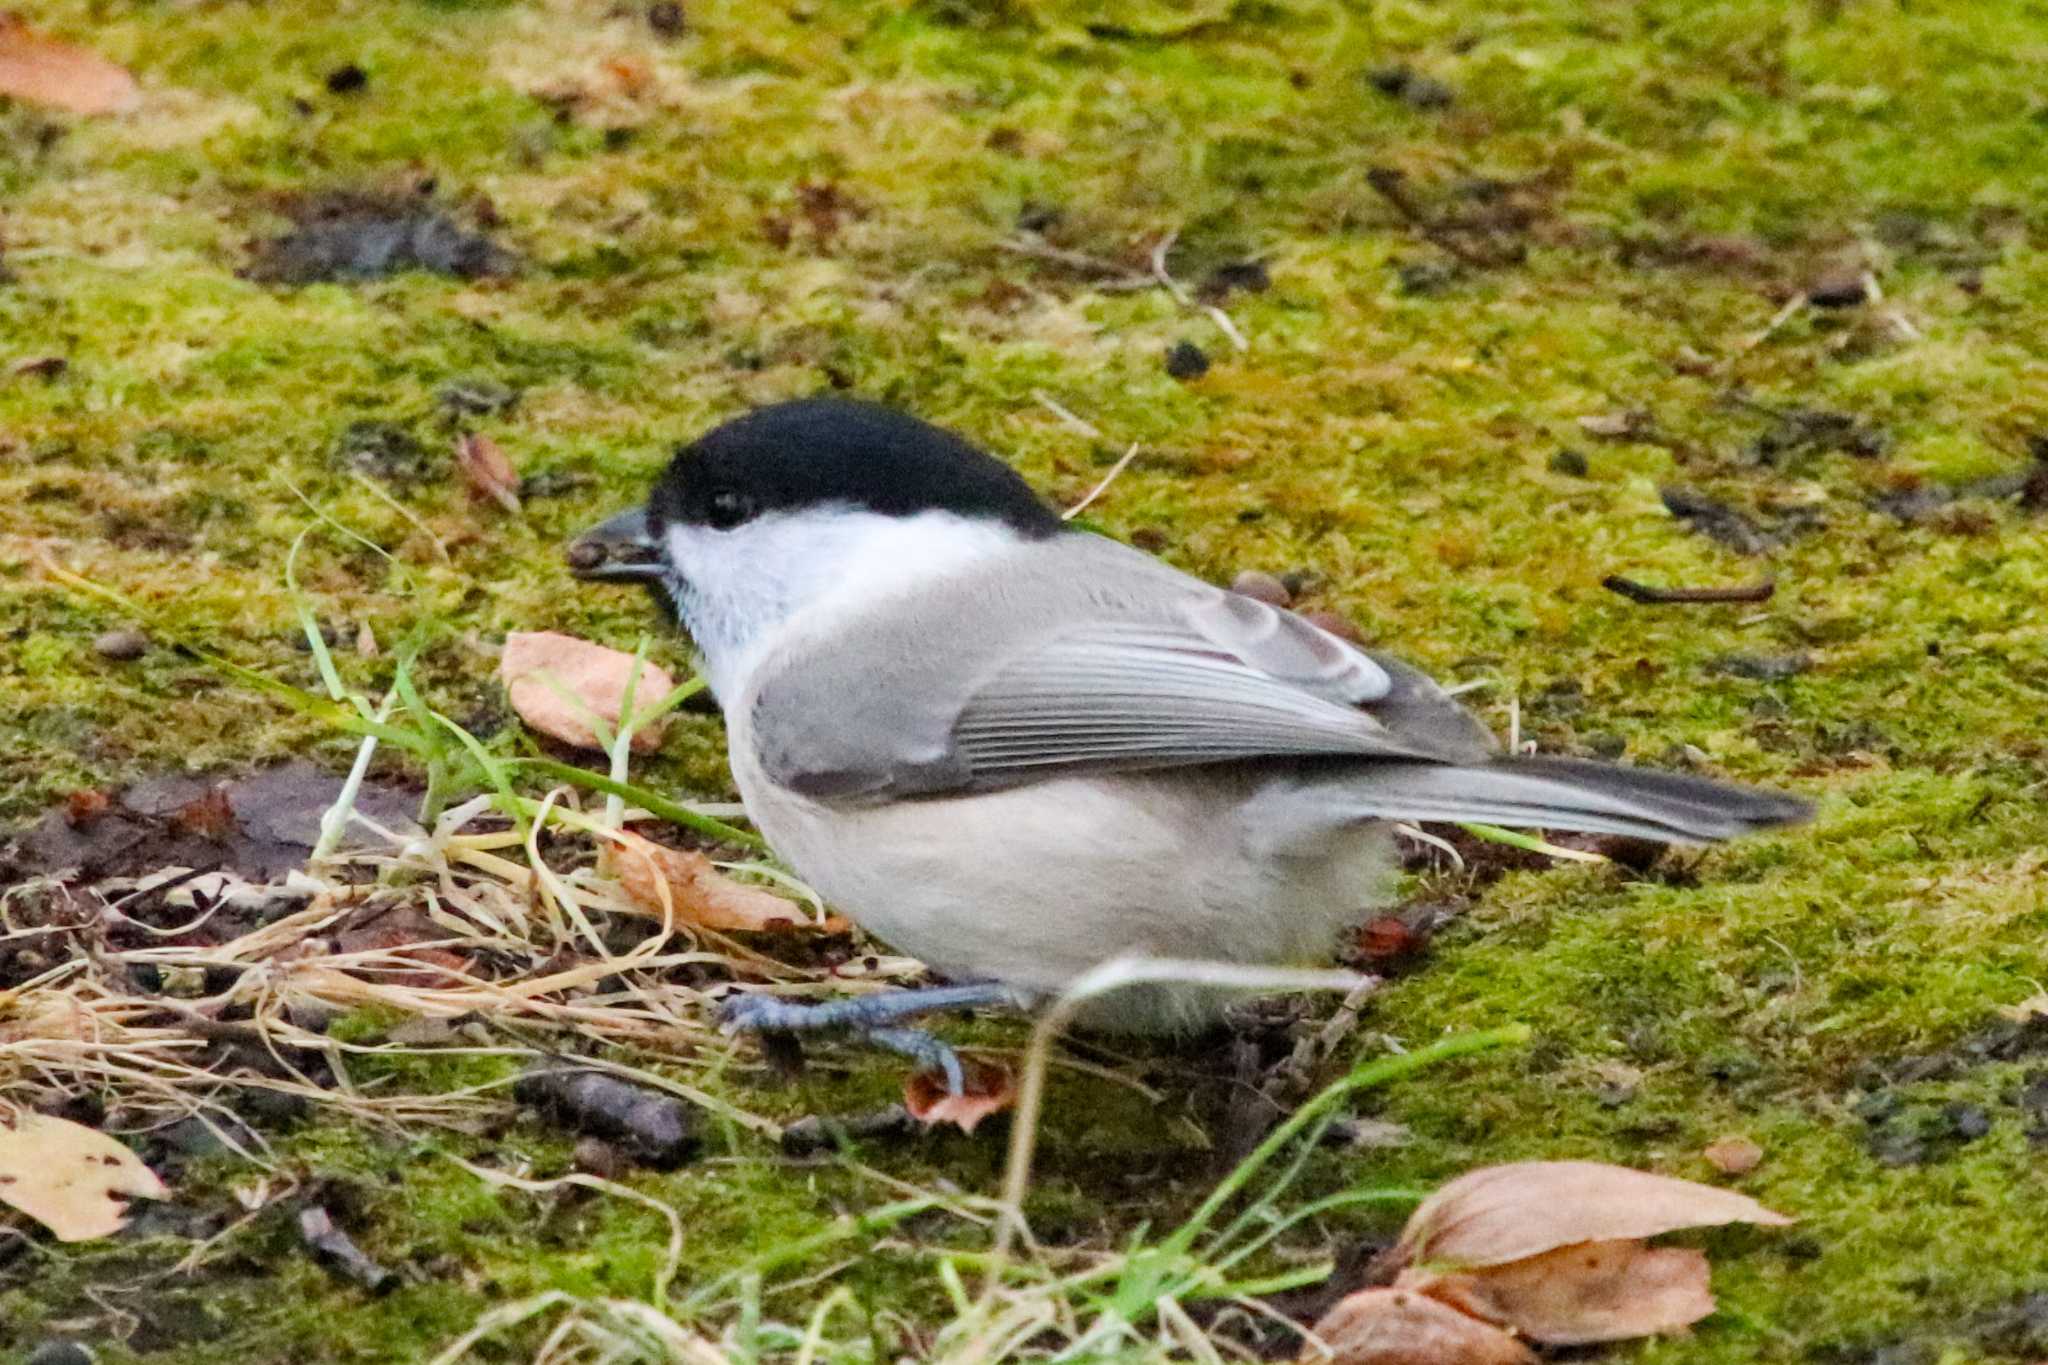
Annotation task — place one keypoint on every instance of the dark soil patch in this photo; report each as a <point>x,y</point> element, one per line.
<point>363,235</point>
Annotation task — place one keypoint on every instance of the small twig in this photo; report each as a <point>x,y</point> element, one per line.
<point>1643,592</point>
<point>1392,186</point>
<point>1107,479</point>
<point>1160,272</point>
<point>1230,330</point>
<point>1075,260</point>
<point>1067,416</point>
<point>1226,326</point>
<point>1793,306</point>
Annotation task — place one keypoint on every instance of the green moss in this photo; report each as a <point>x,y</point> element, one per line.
<point>1389,439</point>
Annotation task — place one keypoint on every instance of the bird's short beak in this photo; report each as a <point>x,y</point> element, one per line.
<point>620,549</point>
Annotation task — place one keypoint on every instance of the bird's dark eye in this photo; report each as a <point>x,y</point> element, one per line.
<point>728,509</point>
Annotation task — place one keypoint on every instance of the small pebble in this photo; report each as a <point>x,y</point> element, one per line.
<point>1187,361</point>
<point>666,19</point>
<point>61,1353</point>
<point>1734,1155</point>
<point>1261,587</point>
<point>1569,462</point>
<point>599,1158</point>
<point>1411,87</point>
<point>1335,624</point>
<point>1033,216</point>
<point>122,645</point>
<point>1838,289</point>
<point>347,80</point>
<point>1423,278</point>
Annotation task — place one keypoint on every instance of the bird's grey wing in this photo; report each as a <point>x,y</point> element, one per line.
<point>1049,671</point>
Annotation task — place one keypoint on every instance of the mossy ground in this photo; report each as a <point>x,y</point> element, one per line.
<point>786,198</point>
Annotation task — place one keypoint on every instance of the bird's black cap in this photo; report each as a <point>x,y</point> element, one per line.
<point>821,451</point>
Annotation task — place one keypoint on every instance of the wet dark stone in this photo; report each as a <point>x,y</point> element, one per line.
<point>1714,519</point>
<point>1249,276</point>
<point>667,19</point>
<point>348,80</point>
<point>1837,289</point>
<point>1411,87</point>
<point>1569,462</point>
<point>1187,361</point>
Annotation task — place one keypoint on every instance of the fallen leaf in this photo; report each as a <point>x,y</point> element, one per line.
<point>539,667</point>
<point>633,74</point>
<point>489,473</point>
<point>1507,1213</point>
<point>1733,1155</point>
<point>1596,1291</point>
<point>85,805</point>
<point>681,885</point>
<point>1398,1327</point>
<point>987,1089</point>
<point>38,69</point>
<point>210,815</point>
<point>403,936</point>
<point>67,1176</point>
<point>2032,1007</point>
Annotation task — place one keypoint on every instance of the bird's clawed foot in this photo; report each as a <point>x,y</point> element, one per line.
<point>876,1018</point>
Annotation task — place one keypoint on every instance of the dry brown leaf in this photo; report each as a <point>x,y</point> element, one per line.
<point>594,675</point>
<point>1596,1291</point>
<point>1399,1327</point>
<point>67,1176</point>
<point>696,892</point>
<point>487,470</point>
<point>1508,1213</point>
<point>38,69</point>
<point>1733,1155</point>
<point>987,1088</point>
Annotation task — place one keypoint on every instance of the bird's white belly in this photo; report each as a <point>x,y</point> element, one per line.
<point>1035,885</point>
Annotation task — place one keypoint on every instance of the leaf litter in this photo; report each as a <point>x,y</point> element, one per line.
<point>189,991</point>
<point>1551,1251</point>
<point>39,69</point>
<point>68,1177</point>
<point>567,688</point>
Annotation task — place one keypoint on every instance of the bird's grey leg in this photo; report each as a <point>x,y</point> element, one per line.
<point>876,1018</point>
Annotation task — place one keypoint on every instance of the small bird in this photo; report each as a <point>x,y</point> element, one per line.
<point>1017,750</point>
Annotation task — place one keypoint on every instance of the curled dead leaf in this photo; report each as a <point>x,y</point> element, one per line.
<point>682,886</point>
<point>487,470</point>
<point>988,1089</point>
<point>38,69</point>
<point>68,1177</point>
<point>557,683</point>
<point>1507,1213</point>
<point>1400,1327</point>
<point>1733,1155</point>
<point>1596,1291</point>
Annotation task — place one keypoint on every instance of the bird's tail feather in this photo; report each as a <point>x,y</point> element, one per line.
<point>1542,792</point>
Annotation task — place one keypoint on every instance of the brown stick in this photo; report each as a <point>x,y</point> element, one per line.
<point>1392,186</point>
<point>1643,592</point>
